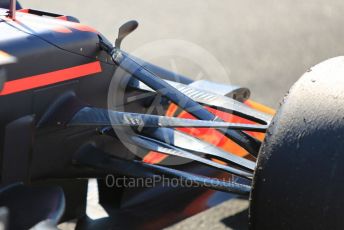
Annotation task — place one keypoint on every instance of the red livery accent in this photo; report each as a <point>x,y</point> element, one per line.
<point>45,79</point>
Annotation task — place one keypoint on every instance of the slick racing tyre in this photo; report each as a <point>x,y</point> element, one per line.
<point>299,179</point>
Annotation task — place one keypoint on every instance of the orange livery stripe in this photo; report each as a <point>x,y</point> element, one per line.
<point>50,78</point>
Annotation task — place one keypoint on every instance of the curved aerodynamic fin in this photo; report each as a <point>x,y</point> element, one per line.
<point>211,99</point>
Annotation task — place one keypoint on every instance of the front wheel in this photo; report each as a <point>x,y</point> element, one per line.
<point>298,183</point>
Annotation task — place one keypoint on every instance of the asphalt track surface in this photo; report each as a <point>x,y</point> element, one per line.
<point>263,45</point>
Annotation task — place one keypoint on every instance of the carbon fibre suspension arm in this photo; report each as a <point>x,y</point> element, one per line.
<point>142,74</point>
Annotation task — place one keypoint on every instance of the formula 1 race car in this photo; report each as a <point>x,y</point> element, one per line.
<point>76,107</point>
